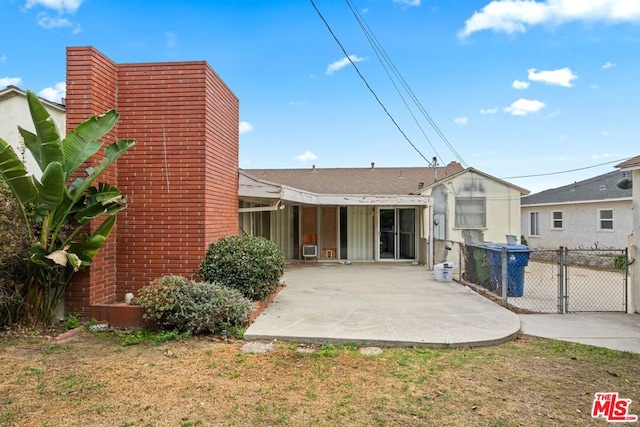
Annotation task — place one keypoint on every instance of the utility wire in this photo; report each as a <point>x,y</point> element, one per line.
<point>367,83</point>
<point>378,51</point>
<point>377,46</point>
<point>567,171</point>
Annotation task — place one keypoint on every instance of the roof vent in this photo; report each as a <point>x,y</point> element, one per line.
<point>603,187</point>
<point>373,165</point>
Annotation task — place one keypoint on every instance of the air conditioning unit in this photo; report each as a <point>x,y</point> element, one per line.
<point>310,251</point>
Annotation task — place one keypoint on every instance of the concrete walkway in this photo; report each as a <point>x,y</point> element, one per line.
<point>382,304</point>
<point>617,331</point>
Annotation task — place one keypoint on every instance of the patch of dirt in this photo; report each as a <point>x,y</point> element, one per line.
<point>93,380</point>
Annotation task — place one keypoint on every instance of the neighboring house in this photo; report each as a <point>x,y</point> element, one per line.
<point>14,111</point>
<point>586,214</point>
<point>377,214</point>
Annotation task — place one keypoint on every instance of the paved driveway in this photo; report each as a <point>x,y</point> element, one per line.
<point>382,304</point>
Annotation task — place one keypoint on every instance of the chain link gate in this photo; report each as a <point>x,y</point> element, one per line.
<point>549,280</point>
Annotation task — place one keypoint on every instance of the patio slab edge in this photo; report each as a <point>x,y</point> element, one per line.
<point>383,343</point>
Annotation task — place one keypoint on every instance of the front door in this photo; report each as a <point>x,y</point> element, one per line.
<point>397,231</point>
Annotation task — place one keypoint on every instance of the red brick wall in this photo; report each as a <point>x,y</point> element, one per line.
<point>91,90</point>
<point>221,165</point>
<point>181,178</point>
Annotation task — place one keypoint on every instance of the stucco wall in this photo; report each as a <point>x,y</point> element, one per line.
<point>14,111</point>
<point>580,225</point>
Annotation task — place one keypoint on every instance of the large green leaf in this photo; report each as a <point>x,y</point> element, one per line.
<point>15,174</point>
<point>47,147</point>
<point>52,190</point>
<point>82,142</point>
<point>112,153</point>
<point>87,248</point>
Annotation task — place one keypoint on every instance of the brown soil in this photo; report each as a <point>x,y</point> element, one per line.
<point>93,380</point>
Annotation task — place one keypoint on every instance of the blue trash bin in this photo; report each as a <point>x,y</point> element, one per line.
<point>517,260</point>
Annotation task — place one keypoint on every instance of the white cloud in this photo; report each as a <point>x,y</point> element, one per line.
<point>593,86</point>
<point>3,58</point>
<point>608,65</point>
<point>522,107</point>
<point>55,93</point>
<point>519,84</point>
<point>561,77</point>
<point>10,81</point>
<point>514,16</point>
<point>297,102</point>
<point>605,155</point>
<point>62,6</point>
<point>407,3</point>
<point>49,23</point>
<point>307,155</point>
<point>244,127</point>
<point>337,65</point>
<point>461,120</point>
<point>605,133</point>
<point>486,111</point>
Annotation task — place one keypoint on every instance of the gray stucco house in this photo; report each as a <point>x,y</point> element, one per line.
<point>586,214</point>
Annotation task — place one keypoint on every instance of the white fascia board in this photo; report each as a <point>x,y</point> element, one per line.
<point>368,200</point>
<point>298,196</point>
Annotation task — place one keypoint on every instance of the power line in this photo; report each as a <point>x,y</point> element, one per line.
<point>367,83</point>
<point>377,46</point>
<point>378,50</point>
<point>567,171</point>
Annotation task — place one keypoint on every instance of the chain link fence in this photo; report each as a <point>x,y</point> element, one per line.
<point>558,280</point>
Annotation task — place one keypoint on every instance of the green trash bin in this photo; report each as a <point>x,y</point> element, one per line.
<point>482,267</point>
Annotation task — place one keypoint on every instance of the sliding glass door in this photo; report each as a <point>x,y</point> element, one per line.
<point>397,233</point>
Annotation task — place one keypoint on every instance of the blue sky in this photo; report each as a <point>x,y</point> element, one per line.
<point>515,88</point>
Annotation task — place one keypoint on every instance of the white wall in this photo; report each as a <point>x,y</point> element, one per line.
<point>580,225</point>
<point>14,111</point>
<point>502,204</point>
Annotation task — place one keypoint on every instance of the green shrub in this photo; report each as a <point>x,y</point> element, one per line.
<point>13,257</point>
<point>158,299</point>
<point>207,307</point>
<point>620,261</point>
<point>175,302</point>
<point>252,265</point>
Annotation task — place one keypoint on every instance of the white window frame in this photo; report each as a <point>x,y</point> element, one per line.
<point>465,217</point>
<point>534,224</point>
<point>605,220</point>
<point>555,220</point>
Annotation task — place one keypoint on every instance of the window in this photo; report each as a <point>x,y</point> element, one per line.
<point>556,220</point>
<point>534,223</point>
<point>470,213</point>
<point>605,219</point>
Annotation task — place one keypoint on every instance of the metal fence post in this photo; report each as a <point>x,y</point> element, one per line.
<point>561,263</point>
<point>505,275</point>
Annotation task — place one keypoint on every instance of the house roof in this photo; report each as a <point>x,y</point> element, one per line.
<point>362,181</point>
<point>602,187</point>
<point>11,91</point>
<point>632,163</point>
<point>522,191</point>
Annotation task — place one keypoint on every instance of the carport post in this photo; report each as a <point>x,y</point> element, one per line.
<point>505,276</point>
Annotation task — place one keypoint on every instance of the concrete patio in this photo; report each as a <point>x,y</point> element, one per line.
<point>382,304</point>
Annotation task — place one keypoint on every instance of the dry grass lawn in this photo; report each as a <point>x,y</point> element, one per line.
<point>94,380</point>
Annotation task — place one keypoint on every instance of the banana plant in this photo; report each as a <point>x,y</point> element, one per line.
<point>58,208</point>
